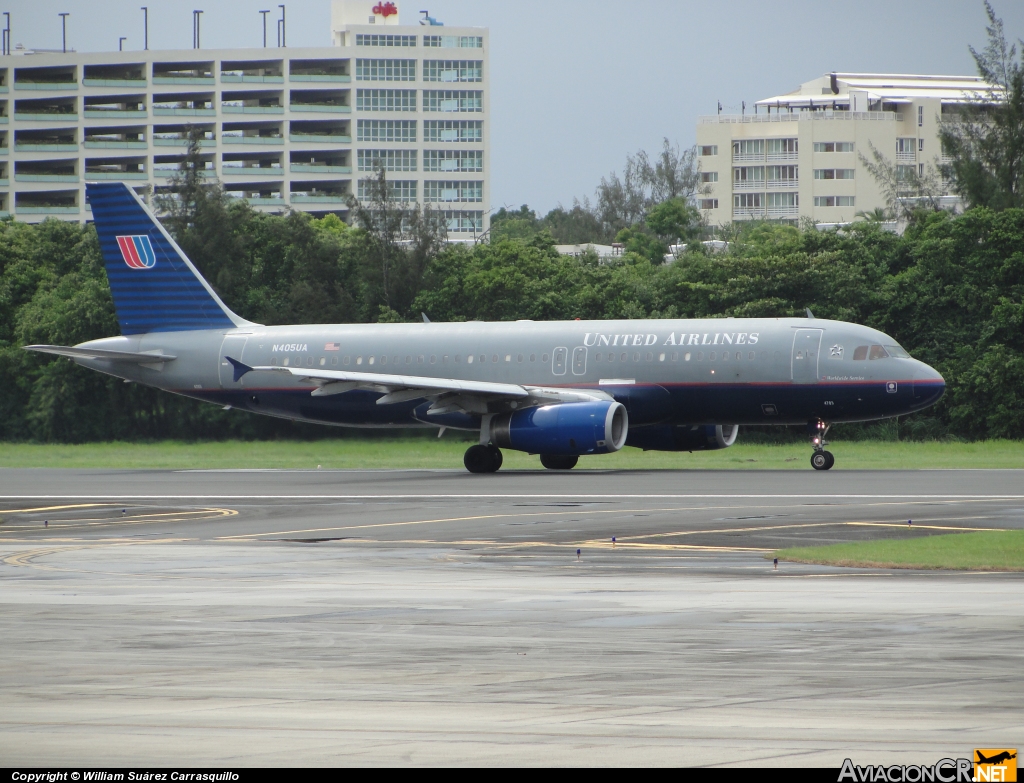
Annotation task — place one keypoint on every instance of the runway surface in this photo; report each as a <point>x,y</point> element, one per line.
<point>434,617</point>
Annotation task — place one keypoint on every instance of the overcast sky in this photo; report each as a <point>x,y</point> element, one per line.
<point>577,85</point>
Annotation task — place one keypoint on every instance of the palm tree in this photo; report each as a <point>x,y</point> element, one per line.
<point>877,215</point>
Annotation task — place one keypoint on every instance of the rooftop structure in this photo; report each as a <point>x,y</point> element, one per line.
<point>283,127</point>
<point>798,155</point>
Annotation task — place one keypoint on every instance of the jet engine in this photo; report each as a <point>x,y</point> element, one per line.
<point>569,428</point>
<point>700,437</point>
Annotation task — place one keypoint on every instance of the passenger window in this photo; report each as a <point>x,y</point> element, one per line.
<point>323,360</point>
<point>860,353</point>
<point>636,357</point>
<point>359,360</point>
<point>750,356</point>
<point>623,357</point>
<point>675,356</point>
<point>519,358</point>
<point>383,360</point>
<point>877,352</point>
<point>273,362</point>
<point>484,358</point>
<point>371,360</point>
<point>661,357</point>
<point>508,357</point>
<point>700,356</point>
<point>469,359</point>
<point>419,360</point>
<point>686,356</point>
<point>433,358</point>
<point>408,359</point>
<point>334,361</point>
<point>494,358</point>
<point>458,359</point>
<point>309,360</point>
<point>346,361</point>
<point>650,356</point>
<point>394,360</point>
<point>533,357</point>
<point>285,362</point>
<point>711,356</point>
<point>543,358</point>
<point>725,356</point>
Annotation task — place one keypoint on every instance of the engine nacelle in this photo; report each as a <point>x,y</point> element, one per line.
<point>701,437</point>
<point>568,428</point>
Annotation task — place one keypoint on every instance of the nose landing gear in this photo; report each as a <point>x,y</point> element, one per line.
<point>820,459</point>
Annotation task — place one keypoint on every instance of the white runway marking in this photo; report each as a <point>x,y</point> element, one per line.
<point>502,496</point>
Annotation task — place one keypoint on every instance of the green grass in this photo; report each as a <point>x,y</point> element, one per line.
<point>410,452</point>
<point>1001,550</point>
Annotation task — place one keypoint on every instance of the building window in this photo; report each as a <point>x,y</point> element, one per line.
<point>392,160</point>
<point>385,40</point>
<point>398,190</point>
<point>708,203</point>
<point>385,70</point>
<point>906,149</point>
<point>464,221</point>
<point>905,173</point>
<point>752,175</point>
<point>783,173</point>
<point>833,173</point>
<point>833,146</point>
<point>834,201</point>
<point>709,176</point>
<point>748,149</point>
<point>920,116</point>
<point>453,130</point>
<point>709,150</point>
<point>453,70</point>
<point>920,145</point>
<point>453,160</point>
<point>453,100</point>
<point>783,200</point>
<point>439,192</point>
<point>453,41</point>
<point>782,147</point>
<point>748,201</point>
<point>386,130</point>
<point>386,100</point>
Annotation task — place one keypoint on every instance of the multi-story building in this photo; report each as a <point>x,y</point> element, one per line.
<point>282,127</point>
<point>798,155</point>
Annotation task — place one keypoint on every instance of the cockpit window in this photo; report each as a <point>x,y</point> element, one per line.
<point>860,353</point>
<point>877,352</point>
<point>895,350</point>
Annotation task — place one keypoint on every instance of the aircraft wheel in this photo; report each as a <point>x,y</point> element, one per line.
<point>831,460</point>
<point>820,460</point>
<point>558,461</point>
<point>481,459</point>
<point>496,455</point>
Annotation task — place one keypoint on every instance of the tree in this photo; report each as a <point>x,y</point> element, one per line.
<point>401,238</point>
<point>674,220</point>
<point>905,189</point>
<point>985,142</point>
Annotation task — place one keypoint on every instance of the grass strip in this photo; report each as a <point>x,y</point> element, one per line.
<point>446,453</point>
<point>1001,550</point>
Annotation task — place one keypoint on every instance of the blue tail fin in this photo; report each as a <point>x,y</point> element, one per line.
<point>155,286</point>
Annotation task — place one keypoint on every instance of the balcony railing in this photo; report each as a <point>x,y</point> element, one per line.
<point>906,157</point>
<point>803,116</point>
<point>748,184</point>
<point>774,184</point>
<point>783,156</point>
<point>259,171</point>
<point>754,157</point>
<point>783,212</point>
<point>316,168</point>
<point>320,138</point>
<point>251,139</point>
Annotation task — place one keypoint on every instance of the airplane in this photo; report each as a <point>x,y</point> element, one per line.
<point>996,759</point>
<point>557,389</point>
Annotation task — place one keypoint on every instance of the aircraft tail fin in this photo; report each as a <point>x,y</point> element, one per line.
<point>154,285</point>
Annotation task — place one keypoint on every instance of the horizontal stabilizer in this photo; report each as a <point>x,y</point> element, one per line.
<point>100,353</point>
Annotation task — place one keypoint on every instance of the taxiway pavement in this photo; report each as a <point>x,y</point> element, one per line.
<point>433,617</point>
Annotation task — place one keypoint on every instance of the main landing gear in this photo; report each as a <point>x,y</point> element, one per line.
<point>483,459</point>
<point>820,459</point>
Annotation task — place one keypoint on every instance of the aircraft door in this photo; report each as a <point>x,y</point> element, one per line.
<point>579,360</point>
<point>558,359</point>
<point>806,348</point>
<point>232,346</point>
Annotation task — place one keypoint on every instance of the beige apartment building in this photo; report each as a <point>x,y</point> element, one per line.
<point>797,155</point>
<point>284,127</point>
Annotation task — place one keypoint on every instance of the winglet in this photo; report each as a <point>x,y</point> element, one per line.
<point>809,313</point>
<point>425,319</point>
<point>239,368</point>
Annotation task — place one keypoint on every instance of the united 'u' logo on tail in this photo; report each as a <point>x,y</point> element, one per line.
<point>137,251</point>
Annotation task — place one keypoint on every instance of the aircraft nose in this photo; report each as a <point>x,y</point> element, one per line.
<point>929,385</point>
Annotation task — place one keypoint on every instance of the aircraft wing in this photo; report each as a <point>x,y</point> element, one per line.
<point>448,393</point>
<point>100,353</point>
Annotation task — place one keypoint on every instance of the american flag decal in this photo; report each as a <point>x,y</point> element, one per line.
<point>332,347</point>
